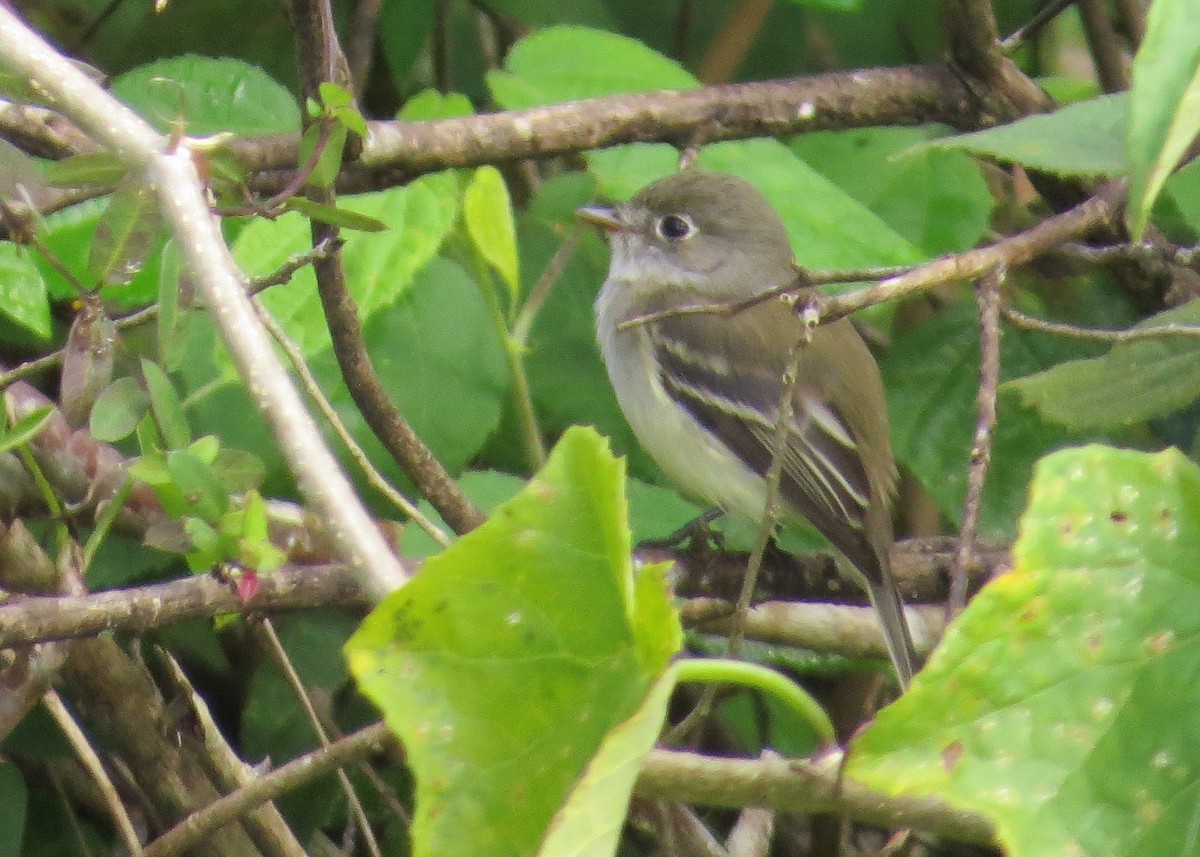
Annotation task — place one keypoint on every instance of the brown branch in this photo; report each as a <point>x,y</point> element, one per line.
<point>1134,334</point>
<point>903,95</point>
<point>140,609</point>
<point>363,31</point>
<point>202,823</point>
<point>798,786</point>
<point>837,629</point>
<point>988,292</point>
<point>314,34</point>
<point>1111,66</point>
<point>1030,28</point>
<point>733,40</point>
<point>1008,252</point>
<point>921,567</point>
<point>1003,91</point>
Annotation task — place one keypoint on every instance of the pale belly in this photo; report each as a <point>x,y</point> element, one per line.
<point>687,453</point>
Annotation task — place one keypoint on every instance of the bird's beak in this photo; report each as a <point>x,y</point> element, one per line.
<point>604,216</point>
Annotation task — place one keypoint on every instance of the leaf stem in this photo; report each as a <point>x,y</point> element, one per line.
<point>514,352</point>
<point>764,679</point>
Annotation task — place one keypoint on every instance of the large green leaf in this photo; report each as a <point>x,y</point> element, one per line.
<point>1066,694</point>
<point>1164,113</point>
<point>568,63</point>
<point>379,266</point>
<point>509,660</point>
<point>208,96</point>
<point>837,233</point>
<point>1129,384</point>
<point>1085,139</point>
<point>937,199</point>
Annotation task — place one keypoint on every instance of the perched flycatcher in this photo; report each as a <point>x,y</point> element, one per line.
<point>703,391</point>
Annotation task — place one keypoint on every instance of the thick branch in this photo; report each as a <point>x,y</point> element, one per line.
<point>798,786</point>
<point>906,95</point>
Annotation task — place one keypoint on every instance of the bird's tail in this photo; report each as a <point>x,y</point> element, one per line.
<point>889,607</point>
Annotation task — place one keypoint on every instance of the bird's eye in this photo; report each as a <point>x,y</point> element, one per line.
<point>675,227</point>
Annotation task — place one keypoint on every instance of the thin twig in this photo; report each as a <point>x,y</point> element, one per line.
<point>299,771</point>
<point>1031,27</point>
<point>313,388</point>
<point>541,289</point>
<point>988,295</point>
<point>1111,65</point>
<point>1009,252</point>
<point>361,51</point>
<point>1134,334</point>
<point>284,662</point>
<point>87,755</point>
<point>737,629</point>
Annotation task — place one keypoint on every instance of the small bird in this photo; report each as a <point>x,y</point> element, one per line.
<point>703,391</point>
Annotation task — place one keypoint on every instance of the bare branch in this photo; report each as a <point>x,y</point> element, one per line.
<point>198,826</point>
<point>988,295</point>
<point>798,786</point>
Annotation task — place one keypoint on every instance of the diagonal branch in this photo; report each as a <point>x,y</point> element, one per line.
<point>173,175</point>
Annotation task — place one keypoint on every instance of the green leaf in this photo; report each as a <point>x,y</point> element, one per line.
<point>935,198</point>
<point>441,363</point>
<point>340,105</point>
<point>199,483</point>
<point>568,63</point>
<point>209,96</point>
<point>839,233</point>
<point>590,821</point>
<point>379,266</point>
<point>1129,384</point>
<point>404,28</point>
<point>89,168</point>
<point>1085,139</point>
<point>432,104</point>
<point>1065,693</point>
<point>329,159</point>
<point>71,233</point>
<point>23,297</point>
<point>1164,114</point>
<point>170,326</point>
<point>26,428</point>
<point>1183,188</point>
<point>487,211</point>
<point>334,216</point>
<point>118,410</point>
<point>165,405</point>
<point>505,664</point>
<point>14,798</point>
<point>931,373</point>
<point>126,234</point>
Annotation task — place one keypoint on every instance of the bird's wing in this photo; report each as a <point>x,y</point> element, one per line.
<point>731,380</point>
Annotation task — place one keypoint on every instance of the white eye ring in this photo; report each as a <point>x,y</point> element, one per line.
<point>675,227</point>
